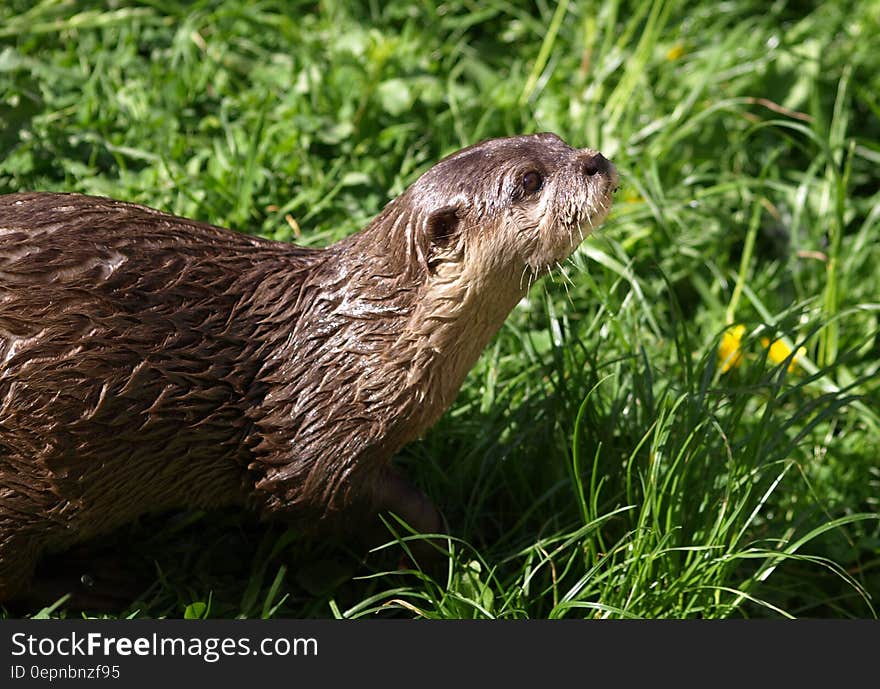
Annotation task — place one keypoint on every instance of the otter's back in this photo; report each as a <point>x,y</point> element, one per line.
<point>127,337</point>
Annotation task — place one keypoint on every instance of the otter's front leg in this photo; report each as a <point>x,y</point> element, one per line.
<point>393,493</point>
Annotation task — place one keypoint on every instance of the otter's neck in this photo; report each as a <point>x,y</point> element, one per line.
<point>454,319</point>
<point>412,333</point>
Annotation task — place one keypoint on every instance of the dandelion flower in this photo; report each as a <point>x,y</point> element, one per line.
<point>778,352</point>
<point>675,52</point>
<point>632,195</point>
<point>729,353</point>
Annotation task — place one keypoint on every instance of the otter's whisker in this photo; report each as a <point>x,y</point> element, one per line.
<point>533,276</point>
<point>564,272</point>
<point>565,282</point>
<point>525,268</point>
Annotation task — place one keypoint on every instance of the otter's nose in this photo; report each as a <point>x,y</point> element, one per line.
<point>596,164</point>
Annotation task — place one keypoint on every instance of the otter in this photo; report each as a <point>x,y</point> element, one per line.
<point>150,362</point>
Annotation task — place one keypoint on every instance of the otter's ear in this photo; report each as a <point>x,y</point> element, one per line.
<point>442,226</point>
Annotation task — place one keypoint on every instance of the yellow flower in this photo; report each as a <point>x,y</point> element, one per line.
<point>779,352</point>
<point>675,52</point>
<point>632,195</point>
<point>729,354</point>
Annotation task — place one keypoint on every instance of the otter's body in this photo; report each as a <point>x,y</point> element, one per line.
<point>149,362</point>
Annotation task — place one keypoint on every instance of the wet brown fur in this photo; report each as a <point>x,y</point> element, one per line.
<point>149,362</point>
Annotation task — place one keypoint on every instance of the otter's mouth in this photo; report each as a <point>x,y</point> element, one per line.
<point>594,216</point>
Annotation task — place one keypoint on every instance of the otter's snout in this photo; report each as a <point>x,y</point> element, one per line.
<point>595,164</point>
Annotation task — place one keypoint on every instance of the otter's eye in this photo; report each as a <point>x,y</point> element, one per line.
<point>532,181</point>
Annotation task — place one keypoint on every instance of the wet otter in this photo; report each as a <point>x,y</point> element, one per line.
<point>149,362</point>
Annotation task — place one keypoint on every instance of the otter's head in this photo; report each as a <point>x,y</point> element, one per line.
<point>459,248</point>
<point>508,206</point>
<point>431,279</point>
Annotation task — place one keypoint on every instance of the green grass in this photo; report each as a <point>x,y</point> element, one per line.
<point>598,462</point>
